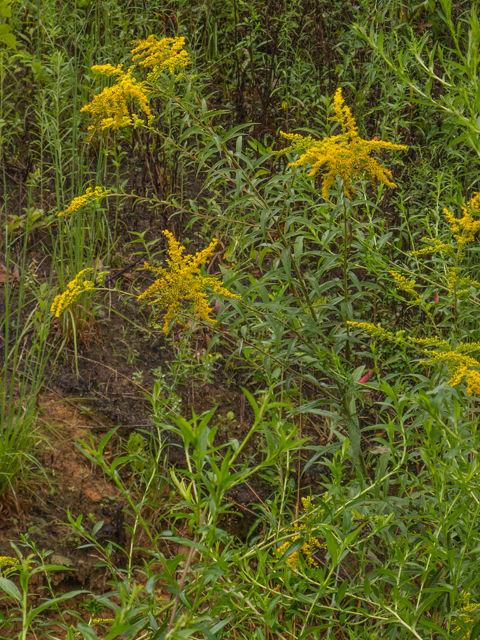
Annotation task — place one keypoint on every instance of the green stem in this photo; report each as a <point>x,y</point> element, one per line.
<point>345,276</point>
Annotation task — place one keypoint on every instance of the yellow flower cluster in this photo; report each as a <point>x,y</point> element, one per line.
<point>436,246</point>
<point>90,195</point>
<point>346,155</point>
<point>182,281</point>
<point>405,285</point>
<point>460,364</point>
<point>110,108</point>
<point>7,565</point>
<point>108,69</point>
<point>74,289</point>
<point>377,331</point>
<point>167,53</point>
<point>308,548</point>
<point>102,620</point>
<point>466,611</point>
<point>431,341</point>
<point>455,281</point>
<point>465,228</point>
<point>409,287</point>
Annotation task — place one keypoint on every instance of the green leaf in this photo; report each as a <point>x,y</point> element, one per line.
<point>10,588</point>
<point>118,630</point>
<point>341,592</point>
<point>475,631</point>
<point>97,527</point>
<point>50,603</point>
<point>332,546</point>
<point>87,632</point>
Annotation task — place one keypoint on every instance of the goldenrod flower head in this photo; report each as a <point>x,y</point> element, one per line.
<point>166,53</point>
<point>473,382</point>
<point>310,544</point>
<point>102,620</point>
<point>110,109</point>
<point>466,612</point>
<point>182,281</point>
<point>8,565</point>
<point>435,246</point>
<point>465,228</point>
<point>455,282</point>
<point>376,331</point>
<point>409,287</point>
<point>460,365</point>
<point>346,155</point>
<point>308,548</point>
<point>404,284</point>
<point>306,503</point>
<point>90,195</point>
<point>108,69</point>
<point>430,341</point>
<point>74,289</point>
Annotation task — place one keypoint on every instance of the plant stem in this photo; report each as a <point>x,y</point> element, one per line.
<point>345,276</point>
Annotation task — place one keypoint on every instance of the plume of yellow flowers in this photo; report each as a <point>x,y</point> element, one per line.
<point>308,548</point>
<point>74,289</point>
<point>460,364</point>
<point>465,228</point>
<point>434,247</point>
<point>182,281</point>
<point>108,69</point>
<point>345,155</point>
<point>90,195</point>
<point>110,108</point>
<point>408,286</point>
<point>469,612</point>
<point>8,565</point>
<point>166,53</point>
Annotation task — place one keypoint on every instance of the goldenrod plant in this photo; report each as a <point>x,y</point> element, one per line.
<point>345,157</point>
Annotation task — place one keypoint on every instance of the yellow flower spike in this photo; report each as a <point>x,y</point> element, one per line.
<point>8,565</point>
<point>90,195</point>
<point>110,108</point>
<point>4,560</point>
<point>459,366</point>
<point>435,246</point>
<point>310,545</point>
<point>182,281</point>
<point>167,53</point>
<point>374,330</point>
<point>405,285</point>
<point>108,69</point>
<point>473,382</point>
<point>74,289</point>
<point>465,228</point>
<point>346,155</point>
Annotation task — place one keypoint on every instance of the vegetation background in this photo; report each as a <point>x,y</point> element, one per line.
<point>292,450</point>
